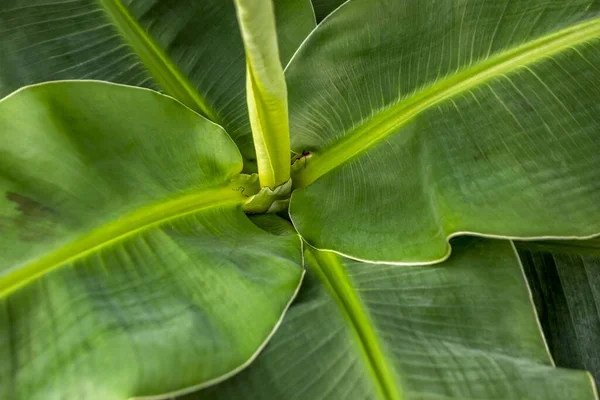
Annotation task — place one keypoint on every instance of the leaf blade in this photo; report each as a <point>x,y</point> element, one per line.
<point>330,271</point>
<point>127,271</point>
<point>566,286</point>
<point>119,230</point>
<point>422,317</point>
<point>508,157</point>
<point>166,74</point>
<point>389,121</point>
<point>198,52</point>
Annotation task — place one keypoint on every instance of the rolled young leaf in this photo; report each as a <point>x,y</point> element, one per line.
<point>266,91</point>
<point>425,120</point>
<point>465,329</point>
<point>565,279</point>
<point>190,49</point>
<point>128,267</point>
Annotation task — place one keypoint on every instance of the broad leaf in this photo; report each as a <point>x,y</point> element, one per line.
<point>464,330</point>
<point>325,7</point>
<point>427,120</point>
<point>565,280</point>
<point>128,267</point>
<point>190,49</point>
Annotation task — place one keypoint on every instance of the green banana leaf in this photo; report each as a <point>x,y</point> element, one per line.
<point>565,280</point>
<point>325,7</point>
<point>426,120</point>
<point>465,329</point>
<point>128,267</point>
<point>190,49</point>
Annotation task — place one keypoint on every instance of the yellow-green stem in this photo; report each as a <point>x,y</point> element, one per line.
<point>266,91</point>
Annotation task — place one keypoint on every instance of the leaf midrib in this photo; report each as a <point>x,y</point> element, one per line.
<point>387,122</point>
<point>118,231</point>
<point>331,273</point>
<point>166,74</point>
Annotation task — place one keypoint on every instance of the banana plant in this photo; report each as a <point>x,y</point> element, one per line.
<point>210,199</point>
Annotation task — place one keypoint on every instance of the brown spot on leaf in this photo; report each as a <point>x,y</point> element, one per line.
<point>35,221</point>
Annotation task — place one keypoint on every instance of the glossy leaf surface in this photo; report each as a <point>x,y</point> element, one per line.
<point>426,120</point>
<point>190,49</point>
<point>464,329</point>
<point>565,280</point>
<point>128,267</point>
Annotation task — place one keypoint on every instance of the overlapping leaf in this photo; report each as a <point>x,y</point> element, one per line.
<point>324,7</point>
<point>426,120</point>
<point>190,49</point>
<point>464,329</point>
<point>565,280</point>
<point>128,267</point>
